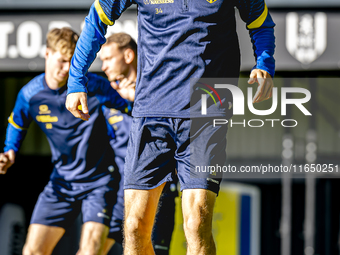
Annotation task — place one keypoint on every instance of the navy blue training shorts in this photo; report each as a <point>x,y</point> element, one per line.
<point>157,146</point>
<point>59,205</point>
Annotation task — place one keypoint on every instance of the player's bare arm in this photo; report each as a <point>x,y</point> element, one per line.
<point>6,161</point>
<point>73,101</point>
<point>265,85</point>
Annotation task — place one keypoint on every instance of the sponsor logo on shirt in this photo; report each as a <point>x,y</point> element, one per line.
<point>48,119</point>
<point>115,119</point>
<point>159,1</point>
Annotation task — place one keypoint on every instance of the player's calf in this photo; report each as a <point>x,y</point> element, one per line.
<point>198,207</point>
<point>140,210</point>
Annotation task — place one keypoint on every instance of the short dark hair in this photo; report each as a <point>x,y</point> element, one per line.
<point>123,40</point>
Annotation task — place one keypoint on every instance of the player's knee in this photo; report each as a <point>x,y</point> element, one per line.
<point>87,252</point>
<point>192,225</point>
<point>197,226</point>
<point>132,225</point>
<point>136,227</point>
<point>92,249</point>
<point>28,251</point>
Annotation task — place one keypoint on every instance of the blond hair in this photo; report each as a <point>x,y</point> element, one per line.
<point>63,40</point>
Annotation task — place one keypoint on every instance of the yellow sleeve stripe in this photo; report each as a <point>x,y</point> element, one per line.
<point>259,21</point>
<point>11,121</point>
<point>102,14</point>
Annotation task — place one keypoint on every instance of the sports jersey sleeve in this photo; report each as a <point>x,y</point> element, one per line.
<point>18,123</point>
<point>106,94</point>
<point>102,13</point>
<point>261,30</point>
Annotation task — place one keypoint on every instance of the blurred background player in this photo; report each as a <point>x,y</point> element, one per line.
<point>83,178</point>
<point>179,41</point>
<point>119,57</point>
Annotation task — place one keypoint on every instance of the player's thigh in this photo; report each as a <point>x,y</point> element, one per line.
<point>42,239</point>
<point>198,206</point>
<point>93,236</point>
<point>140,209</point>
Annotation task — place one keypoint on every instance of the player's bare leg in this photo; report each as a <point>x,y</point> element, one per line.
<point>92,239</point>
<point>108,245</point>
<point>140,211</point>
<point>42,239</point>
<point>197,206</point>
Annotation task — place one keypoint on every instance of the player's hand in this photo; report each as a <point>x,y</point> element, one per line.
<point>76,103</point>
<point>6,160</point>
<point>265,85</point>
<point>125,87</point>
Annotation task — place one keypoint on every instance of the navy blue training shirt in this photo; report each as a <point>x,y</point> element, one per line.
<point>80,149</point>
<point>119,125</point>
<point>178,40</point>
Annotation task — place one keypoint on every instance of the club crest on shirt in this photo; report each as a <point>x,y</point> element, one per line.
<point>43,109</point>
<point>211,1</point>
<point>306,36</point>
